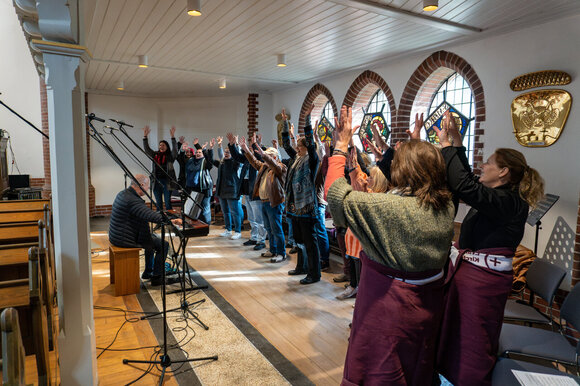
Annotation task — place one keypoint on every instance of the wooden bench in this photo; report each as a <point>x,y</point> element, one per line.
<point>124,269</point>
<point>12,349</point>
<point>29,296</point>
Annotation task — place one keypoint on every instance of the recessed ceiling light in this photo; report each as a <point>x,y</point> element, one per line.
<point>120,85</point>
<point>430,5</point>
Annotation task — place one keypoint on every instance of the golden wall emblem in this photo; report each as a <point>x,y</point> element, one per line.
<point>539,117</point>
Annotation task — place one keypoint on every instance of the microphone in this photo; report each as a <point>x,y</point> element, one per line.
<point>110,127</point>
<point>121,123</point>
<point>92,116</point>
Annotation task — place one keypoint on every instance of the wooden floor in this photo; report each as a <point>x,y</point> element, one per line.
<point>305,323</point>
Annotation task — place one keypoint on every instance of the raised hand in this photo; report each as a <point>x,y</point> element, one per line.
<point>146,131</point>
<point>416,133</point>
<point>204,146</point>
<point>181,139</point>
<point>252,138</point>
<point>452,128</point>
<point>184,146</point>
<point>284,116</point>
<point>219,141</point>
<point>212,143</point>
<point>172,131</point>
<point>231,138</point>
<point>243,144</point>
<point>344,130</point>
<point>443,131</point>
<point>291,130</point>
<point>275,143</point>
<point>259,139</point>
<point>374,149</point>
<point>195,141</point>
<point>377,137</point>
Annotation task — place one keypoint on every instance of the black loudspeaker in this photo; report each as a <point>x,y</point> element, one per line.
<point>18,181</point>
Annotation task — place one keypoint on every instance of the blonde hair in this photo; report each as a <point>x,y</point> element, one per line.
<point>380,182</point>
<point>419,168</point>
<point>273,152</point>
<point>525,179</point>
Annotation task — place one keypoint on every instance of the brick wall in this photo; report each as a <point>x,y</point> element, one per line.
<point>92,208</point>
<point>252,113</point>
<point>576,266</point>
<point>362,90</point>
<point>318,95</point>
<point>46,186</point>
<point>424,82</point>
<point>102,210</point>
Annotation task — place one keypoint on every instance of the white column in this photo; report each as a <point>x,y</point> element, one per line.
<point>65,83</point>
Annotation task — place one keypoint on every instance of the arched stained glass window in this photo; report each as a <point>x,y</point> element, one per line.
<point>457,92</point>
<point>326,124</point>
<point>378,114</point>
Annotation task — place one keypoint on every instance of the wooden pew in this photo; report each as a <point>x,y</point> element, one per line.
<point>13,356</point>
<point>16,205</point>
<point>29,293</point>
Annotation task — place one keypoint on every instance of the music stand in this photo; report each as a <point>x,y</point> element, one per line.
<point>536,215</point>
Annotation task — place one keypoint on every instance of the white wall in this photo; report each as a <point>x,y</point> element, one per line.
<point>19,85</point>
<point>497,60</point>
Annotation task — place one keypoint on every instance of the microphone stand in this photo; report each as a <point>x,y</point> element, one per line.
<point>184,306</point>
<point>24,119</point>
<point>165,360</point>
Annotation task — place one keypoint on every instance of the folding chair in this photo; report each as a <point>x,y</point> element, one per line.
<point>543,278</point>
<point>543,344</point>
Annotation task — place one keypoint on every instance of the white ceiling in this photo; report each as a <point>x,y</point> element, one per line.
<point>239,39</point>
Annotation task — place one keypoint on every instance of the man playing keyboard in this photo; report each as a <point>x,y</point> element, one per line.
<point>129,228</point>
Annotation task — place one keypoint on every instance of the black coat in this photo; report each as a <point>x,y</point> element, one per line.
<point>246,168</point>
<point>497,216</point>
<point>228,180</point>
<point>130,218</point>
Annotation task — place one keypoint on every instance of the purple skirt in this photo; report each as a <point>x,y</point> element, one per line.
<point>475,302</point>
<point>394,328</point>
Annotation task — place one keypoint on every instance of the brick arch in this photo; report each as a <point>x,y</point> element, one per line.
<point>364,87</point>
<point>318,95</point>
<point>426,80</point>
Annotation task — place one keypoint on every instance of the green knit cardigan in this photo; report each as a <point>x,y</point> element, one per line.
<point>394,230</point>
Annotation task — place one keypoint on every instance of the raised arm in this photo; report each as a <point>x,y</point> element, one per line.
<point>148,150</point>
<point>313,159</point>
<point>286,135</point>
<point>256,164</point>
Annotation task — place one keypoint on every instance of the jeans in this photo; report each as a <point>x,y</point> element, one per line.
<point>205,215</point>
<point>254,209</point>
<point>273,225</point>
<point>155,257</point>
<point>320,229</point>
<point>290,231</point>
<point>233,213</point>
<point>161,189</point>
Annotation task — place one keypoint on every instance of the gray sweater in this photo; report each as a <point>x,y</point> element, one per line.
<point>393,230</point>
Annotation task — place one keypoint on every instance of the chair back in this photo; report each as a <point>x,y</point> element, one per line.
<point>570,311</point>
<point>544,279</point>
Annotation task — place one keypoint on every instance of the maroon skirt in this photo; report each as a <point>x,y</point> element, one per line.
<point>394,328</point>
<point>475,301</point>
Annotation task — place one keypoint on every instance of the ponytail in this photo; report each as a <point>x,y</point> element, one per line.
<point>522,177</point>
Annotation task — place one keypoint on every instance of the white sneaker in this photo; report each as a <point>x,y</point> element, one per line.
<point>226,234</point>
<point>236,236</point>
